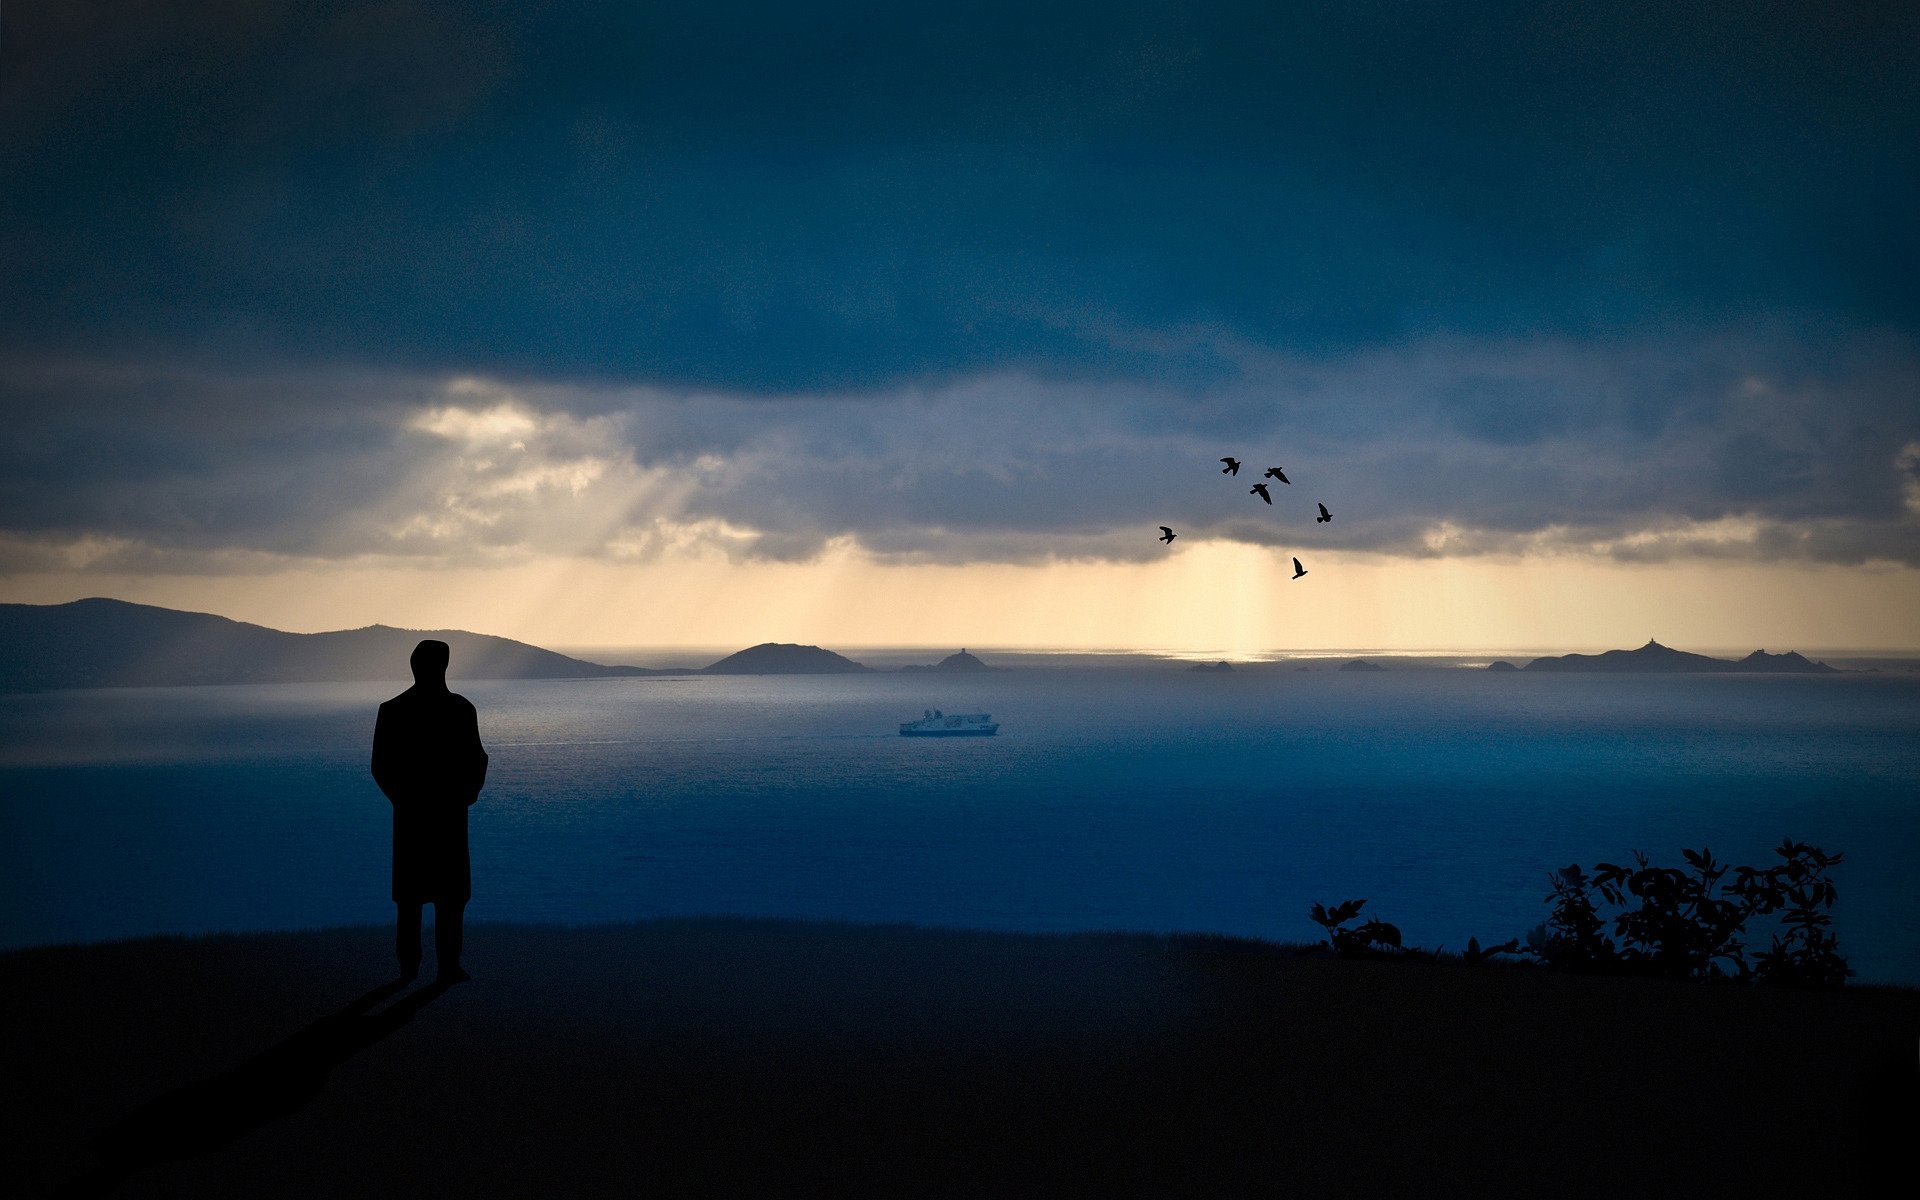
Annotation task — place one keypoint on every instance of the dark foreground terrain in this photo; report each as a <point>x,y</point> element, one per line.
<point>762,1058</point>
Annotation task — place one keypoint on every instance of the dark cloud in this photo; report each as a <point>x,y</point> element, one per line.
<point>994,282</point>
<point>769,198</point>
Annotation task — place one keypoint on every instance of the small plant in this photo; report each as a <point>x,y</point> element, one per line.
<point>1690,922</point>
<point>1574,937</point>
<point>1684,925</point>
<point>1369,940</point>
<point>1681,922</point>
<point>1807,955</point>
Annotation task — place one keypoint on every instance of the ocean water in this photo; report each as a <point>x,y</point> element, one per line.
<point>1144,798</point>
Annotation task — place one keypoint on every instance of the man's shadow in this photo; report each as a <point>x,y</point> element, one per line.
<point>217,1111</point>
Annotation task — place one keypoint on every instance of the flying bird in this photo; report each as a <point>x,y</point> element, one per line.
<point>1280,474</point>
<point>1324,516</point>
<point>1167,535</point>
<point>1298,570</point>
<point>1260,490</point>
<point>1232,467</point>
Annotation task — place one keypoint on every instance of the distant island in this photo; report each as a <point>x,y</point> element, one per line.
<point>1361,664</point>
<point>1215,667</point>
<point>784,658</point>
<point>1501,664</point>
<point>1653,658</point>
<point>952,662</point>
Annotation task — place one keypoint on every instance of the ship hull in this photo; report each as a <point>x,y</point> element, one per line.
<point>949,732</point>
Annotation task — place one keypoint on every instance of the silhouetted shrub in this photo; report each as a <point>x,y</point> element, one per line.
<point>1683,923</point>
<point>1807,955</point>
<point>1371,939</point>
<point>1574,936</point>
<point>1680,922</point>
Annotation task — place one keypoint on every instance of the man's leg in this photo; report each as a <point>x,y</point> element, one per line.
<point>406,939</point>
<point>449,918</point>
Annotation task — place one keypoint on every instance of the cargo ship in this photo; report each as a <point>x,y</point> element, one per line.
<point>938,724</point>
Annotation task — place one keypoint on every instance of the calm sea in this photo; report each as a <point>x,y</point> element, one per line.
<point>1114,798</point>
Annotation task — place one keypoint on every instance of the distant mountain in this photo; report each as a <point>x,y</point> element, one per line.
<point>1215,667</point>
<point>1361,664</point>
<point>953,662</point>
<point>1792,661</point>
<point>784,658</point>
<point>1501,664</point>
<point>111,643</point>
<point>1653,658</point>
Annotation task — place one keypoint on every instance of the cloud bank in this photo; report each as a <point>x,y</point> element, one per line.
<point>463,283</point>
<point>1441,449</point>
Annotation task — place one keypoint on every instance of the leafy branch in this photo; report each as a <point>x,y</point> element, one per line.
<point>1368,940</point>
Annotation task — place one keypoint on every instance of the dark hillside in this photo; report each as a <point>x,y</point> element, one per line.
<point>110,643</point>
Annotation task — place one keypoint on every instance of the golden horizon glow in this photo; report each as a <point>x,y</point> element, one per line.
<point>1210,597</point>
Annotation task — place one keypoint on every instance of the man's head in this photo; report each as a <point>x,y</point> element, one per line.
<point>429,662</point>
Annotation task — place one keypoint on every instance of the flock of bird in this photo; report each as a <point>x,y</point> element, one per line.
<point>1232,467</point>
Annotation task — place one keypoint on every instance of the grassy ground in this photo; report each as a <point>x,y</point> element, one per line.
<point>736,1058</point>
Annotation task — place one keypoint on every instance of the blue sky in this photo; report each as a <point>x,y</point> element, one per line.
<point>986,283</point>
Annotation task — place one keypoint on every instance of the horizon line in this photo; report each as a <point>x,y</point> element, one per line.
<point>600,649</point>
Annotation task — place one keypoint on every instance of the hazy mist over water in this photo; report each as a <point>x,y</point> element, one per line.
<point>895,657</point>
<point>1124,797</point>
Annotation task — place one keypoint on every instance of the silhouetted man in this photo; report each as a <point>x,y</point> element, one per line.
<point>428,759</point>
